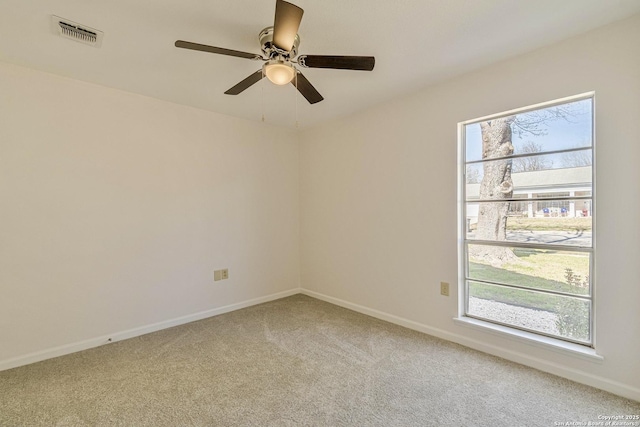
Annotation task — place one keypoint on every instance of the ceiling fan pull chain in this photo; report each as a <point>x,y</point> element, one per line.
<point>262,96</point>
<point>296,96</point>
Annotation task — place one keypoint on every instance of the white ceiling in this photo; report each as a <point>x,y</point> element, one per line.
<point>415,42</point>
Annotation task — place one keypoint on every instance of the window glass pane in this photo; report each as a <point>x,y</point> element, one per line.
<point>570,167</point>
<point>553,222</point>
<point>533,167</point>
<point>544,269</point>
<point>560,127</point>
<point>534,174</point>
<point>558,315</point>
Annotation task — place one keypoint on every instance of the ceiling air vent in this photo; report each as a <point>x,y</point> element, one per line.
<point>74,31</point>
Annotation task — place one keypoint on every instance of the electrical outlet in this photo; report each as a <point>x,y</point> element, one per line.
<point>221,274</point>
<point>444,289</point>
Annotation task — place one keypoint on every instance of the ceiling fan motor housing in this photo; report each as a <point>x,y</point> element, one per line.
<point>271,51</point>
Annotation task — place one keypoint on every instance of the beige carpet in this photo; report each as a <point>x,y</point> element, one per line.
<point>295,361</point>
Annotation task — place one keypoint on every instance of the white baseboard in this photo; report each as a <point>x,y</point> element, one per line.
<point>135,332</point>
<point>543,365</point>
<point>582,377</point>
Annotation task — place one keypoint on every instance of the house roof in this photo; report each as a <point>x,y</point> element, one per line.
<point>545,181</point>
<point>574,177</point>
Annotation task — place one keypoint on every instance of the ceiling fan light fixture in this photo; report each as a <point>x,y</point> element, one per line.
<point>279,72</point>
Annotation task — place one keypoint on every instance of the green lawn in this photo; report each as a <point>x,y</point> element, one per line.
<point>517,297</point>
<point>537,269</point>
<point>549,264</point>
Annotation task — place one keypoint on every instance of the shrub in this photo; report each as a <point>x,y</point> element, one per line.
<point>573,313</point>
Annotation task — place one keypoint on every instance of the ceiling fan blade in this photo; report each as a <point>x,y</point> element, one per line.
<point>212,49</point>
<point>306,89</point>
<point>286,24</point>
<point>364,63</point>
<point>246,83</point>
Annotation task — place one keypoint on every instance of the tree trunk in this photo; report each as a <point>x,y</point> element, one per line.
<point>496,185</point>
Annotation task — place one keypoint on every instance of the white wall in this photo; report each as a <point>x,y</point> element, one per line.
<point>379,200</point>
<point>115,209</point>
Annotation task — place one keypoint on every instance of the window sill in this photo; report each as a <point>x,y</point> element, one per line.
<point>548,343</point>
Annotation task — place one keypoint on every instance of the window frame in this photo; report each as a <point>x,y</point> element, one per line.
<point>463,241</point>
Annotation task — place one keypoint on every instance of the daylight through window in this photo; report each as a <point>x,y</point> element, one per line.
<point>528,217</point>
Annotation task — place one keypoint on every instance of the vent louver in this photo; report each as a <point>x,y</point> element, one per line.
<point>74,31</point>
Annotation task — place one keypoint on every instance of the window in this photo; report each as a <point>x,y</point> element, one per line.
<point>527,219</point>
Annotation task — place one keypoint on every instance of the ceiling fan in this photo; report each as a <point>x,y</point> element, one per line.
<point>279,46</point>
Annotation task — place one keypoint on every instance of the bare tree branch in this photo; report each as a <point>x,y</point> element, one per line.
<point>534,122</point>
<point>533,163</point>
